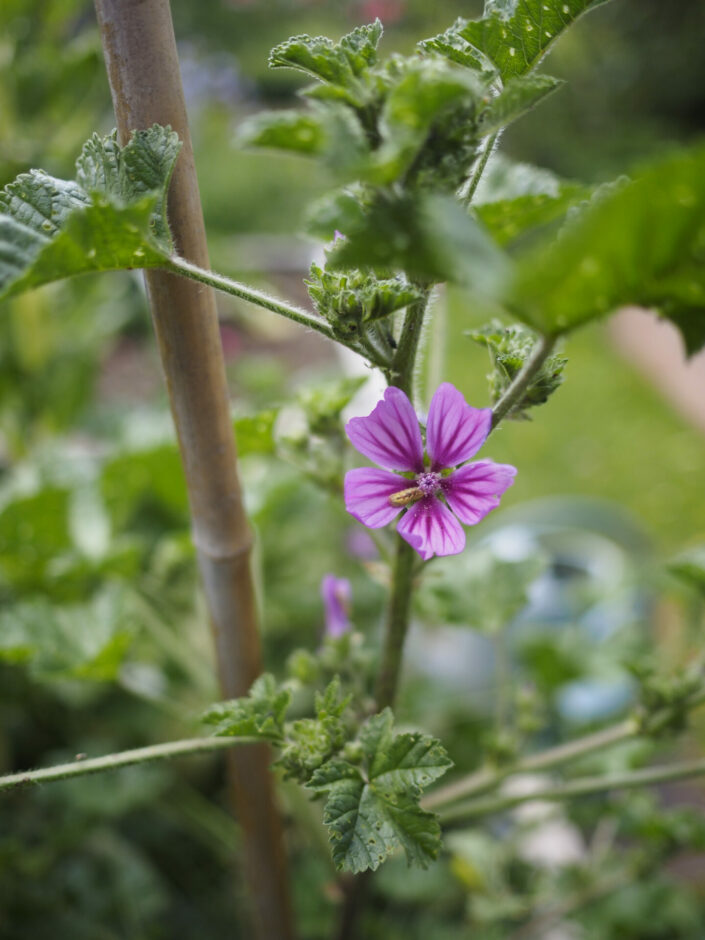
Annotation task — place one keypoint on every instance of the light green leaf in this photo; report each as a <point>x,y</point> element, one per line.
<point>638,243</point>
<point>332,133</point>
<point>372,808</point>
<point>517,97</point>
<point>111,217</point>
<point>515,34</point>
<point>77,641</point>
<point>260,714</point>
<point>689,567</point>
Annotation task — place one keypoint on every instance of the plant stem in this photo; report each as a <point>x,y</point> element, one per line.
<point>513,395</point>
<point>140,755</point>
<point>583,786</point>
<point>397,625</point>
<point>401,373</point>
<point>489,778</point>
<point>226,284</point>
<point>479,169</point>
<point>143,70</point>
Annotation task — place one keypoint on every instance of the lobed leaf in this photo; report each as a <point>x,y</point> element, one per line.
<point>342,65</point>
<point>372,808</point>
<point>112,216</point>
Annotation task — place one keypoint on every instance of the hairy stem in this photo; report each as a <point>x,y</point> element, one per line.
<point>140,755</point>
<point>226,284</point>
<point>479,169</point>
<point>401,373</point>
<point>489,778</point>
<point>583,786</point>
<point>514,394</point>
<point>397,625</point>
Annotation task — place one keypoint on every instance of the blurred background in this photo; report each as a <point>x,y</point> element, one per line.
<point>103,643</point>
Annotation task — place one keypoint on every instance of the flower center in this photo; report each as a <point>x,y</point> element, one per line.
<point>429,483</point>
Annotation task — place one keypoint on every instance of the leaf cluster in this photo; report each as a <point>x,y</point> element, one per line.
<point>112,216</point>
<point>372,776</point>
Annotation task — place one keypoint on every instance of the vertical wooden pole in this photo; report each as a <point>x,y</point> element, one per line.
<point>143,69</point>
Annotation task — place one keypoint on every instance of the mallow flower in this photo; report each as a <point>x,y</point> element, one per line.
<point>336,594</point>
<point>435,497</point>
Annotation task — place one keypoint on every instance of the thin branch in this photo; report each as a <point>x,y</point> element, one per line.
<point>140,755</point>
<point>489,778</point>
<point>583,786</point>
<point>514,394</point>
<point>226,284</point>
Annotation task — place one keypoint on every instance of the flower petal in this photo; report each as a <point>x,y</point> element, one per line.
<point>390,434</point>
<point>455,430</point>
<point>367,491</point>
<point>474,490</point>
<point>432,529</point>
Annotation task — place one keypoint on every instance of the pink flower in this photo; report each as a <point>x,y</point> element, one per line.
<point>336,594</point>
<point>390,435</point>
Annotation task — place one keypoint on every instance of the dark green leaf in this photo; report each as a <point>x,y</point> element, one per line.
<point>112,217</point>
<point>641,243</point>
<point>372,808</point>
<point>342,64</point>
<point>258,715</point>
<point>515,34</point>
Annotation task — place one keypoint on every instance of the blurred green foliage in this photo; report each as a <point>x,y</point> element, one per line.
<point>103,640</point>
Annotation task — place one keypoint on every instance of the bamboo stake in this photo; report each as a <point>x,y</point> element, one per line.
<point>143,69</point>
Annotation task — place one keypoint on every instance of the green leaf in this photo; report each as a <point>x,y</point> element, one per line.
<point>254,434</point>
<point>689,567</point>
<point>111,217</point>
<point>258,715</point>
<point>34,530</point>
<point>479,590</point>
<point>312,741</point>
<point>515,34</point>
<point>638,243</point>
<point>432,238</point>
<point>332,133</point>
<point>372,807</point>
<point>452,46</point>
<point>510,347</point>
<point>78,641</point>
<point>342,64</point>
<point>514,198</point>
<point>429,119</point>
<point>517,97</point>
